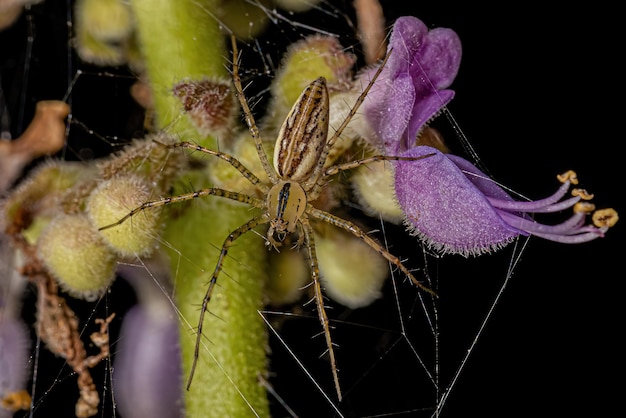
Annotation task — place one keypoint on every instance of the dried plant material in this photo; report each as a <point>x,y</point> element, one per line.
<point>57,326</point>
<point>210,105</point>
<point>44,136</point>
<point>8,15</point>
<point>10,11</point>
<point>371,25</point>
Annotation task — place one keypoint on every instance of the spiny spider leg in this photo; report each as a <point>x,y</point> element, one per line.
<point>229,159</point>
<point>252,127</point>
<point>319,299</point>
<point>359,233</point>
<point>332,170</point>
<point>239,197</point>
<point>228,242</point>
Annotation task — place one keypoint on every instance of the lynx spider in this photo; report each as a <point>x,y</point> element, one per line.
<point>296,178</point>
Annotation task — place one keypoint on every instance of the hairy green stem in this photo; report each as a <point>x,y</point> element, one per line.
<point>180,39</point>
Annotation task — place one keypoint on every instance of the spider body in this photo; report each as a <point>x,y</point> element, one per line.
<point>286,203</point>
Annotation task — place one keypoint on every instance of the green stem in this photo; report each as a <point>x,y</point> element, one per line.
<point>180,39</point>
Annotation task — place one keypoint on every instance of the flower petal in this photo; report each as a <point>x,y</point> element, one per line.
<point>147,366</point>
<point>446,209</point>
<point>410,90</point>
<point>426,108</point>
<point>406,40</point>
<point>14,351</point>
<point>439,58</point>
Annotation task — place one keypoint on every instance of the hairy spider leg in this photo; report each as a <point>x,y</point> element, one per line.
<point>228,242</point>
<point>359,233</point>
<point>319,299</point>
<point>332,170</point>
<point>229,159</point>
<point>239,197</point>
<point>249,118</point>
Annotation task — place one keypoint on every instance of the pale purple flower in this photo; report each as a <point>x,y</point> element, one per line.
<point>456,208</point>
<point>450,204</point>
<point>412,88</point>
<point>14,356</point>
<point>147,365</point>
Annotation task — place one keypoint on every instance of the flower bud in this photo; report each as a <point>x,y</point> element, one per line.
<point>76,256</point>
<point>374,187</point>
<point>290,273</point>
<point>113,200</point>
<point>352,272</point>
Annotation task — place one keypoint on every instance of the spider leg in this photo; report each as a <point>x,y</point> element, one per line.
<point>254,130</point>
<point>334,169</point>
<point>353,164</point>
<point>359,233</point>
<point>252,178</point>
<point>188,196</point>
<point>228,242</point>
<point>319,299</point>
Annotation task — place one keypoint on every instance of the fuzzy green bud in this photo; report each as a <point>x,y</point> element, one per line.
<point>352,272</point>
<point>75,255</point>
<point>113,200</point>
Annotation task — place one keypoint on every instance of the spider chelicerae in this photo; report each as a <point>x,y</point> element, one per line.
<point>296,178</point>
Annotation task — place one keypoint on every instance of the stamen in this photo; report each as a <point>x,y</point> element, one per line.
<point>548,204</point>
<point>571,226</point>
<point>605,218</point>
<point>582,193</point>
<point>584,207</point>
<point>569,175</point>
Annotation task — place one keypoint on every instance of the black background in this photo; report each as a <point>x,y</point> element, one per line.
<point>539,92</point>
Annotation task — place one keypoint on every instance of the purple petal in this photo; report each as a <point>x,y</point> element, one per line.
<point>425,109</point>
<point>14,351</point>
<point>440,58</point>
<point>406,40</point>
<point>393,112</point>
<point>446,209</point>
<point>410,90</point>
<point>147,378</point>
<point>148,363</point>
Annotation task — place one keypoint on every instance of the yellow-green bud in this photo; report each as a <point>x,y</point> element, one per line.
<point>352,272</point>
<point>373,185</point>
<point>75,255</point>
<point>290,273</point>
<point>113,200</point>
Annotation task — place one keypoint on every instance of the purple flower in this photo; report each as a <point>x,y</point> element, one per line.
<point>448,202</point>
<point>412,88</point>
<point>456,208</point>
<point>148,371</point>
<point>14,351</point>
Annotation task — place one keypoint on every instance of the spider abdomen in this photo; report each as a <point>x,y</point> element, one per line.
<point>303,134</point>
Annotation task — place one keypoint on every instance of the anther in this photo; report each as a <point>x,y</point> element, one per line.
<point>605,218</point>
<point>569,175</point>
<point>582,193</point>
<point>584,207</point>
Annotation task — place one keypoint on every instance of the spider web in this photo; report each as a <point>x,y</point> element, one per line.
<point>532,328</point>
